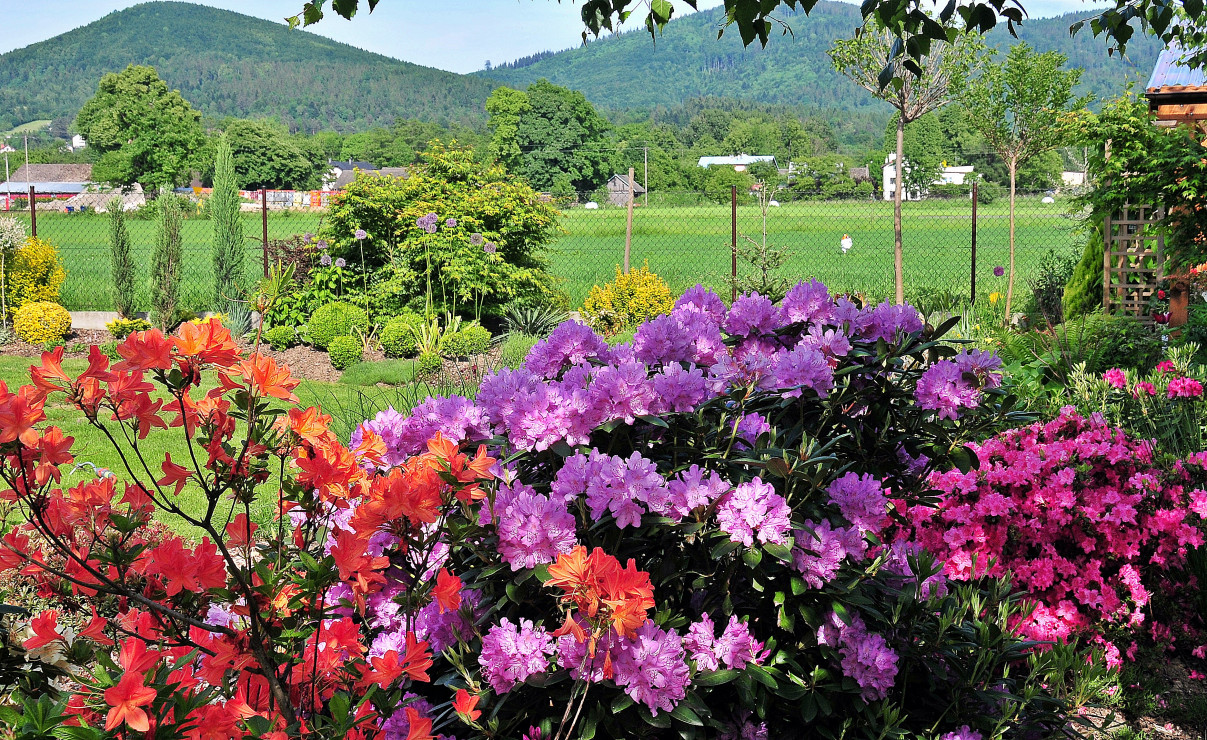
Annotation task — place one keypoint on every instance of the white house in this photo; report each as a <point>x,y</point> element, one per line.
<point>946,176</point>
<point>737,161</point>
<point>1070,179</point>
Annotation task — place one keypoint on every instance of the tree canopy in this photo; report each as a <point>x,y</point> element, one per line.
<point>267,157</point>
<point>142,131</point>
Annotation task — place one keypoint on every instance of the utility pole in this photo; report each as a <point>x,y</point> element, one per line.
<point>645,180</point>
<point>8,188</point>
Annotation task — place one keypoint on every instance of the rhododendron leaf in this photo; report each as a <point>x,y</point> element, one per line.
<point>779,467</point>
<point>684,714</point>
<point>724,549</point>
<point>715,678</point>
<point>662,721</point>
<point>752,558</point>
<point>621,703</point>
<point>779,552</point>
<point>786,620</point>
<point>791,691</point>
<point>945,327</point>
<point>964,459</point>
<point>808,708</point>
<point>657,421</point>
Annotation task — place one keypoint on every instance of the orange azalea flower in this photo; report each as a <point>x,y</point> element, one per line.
<point>95,629</point>
<point>53,450</point>
<point>417,659</point>
<point>127,699</point>
<point>421,727</point>
<point>210,342</point>
<point>145,350</point>
<point>447,592</point>
<point>18,413</point>
<point>45,627</point>
<point>49,377</point>
<point>464,704</point>
<point>240,530</point>
<point>372,448</point>
<point>311,425</point>
<point>269,379</point>
<point>173,474</point>
<point>600,588</point>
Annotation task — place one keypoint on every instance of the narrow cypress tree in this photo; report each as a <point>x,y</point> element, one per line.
<point>165,267</point>
<point>229,270</point>
<point>123,263</point>
<point>1083,292</point>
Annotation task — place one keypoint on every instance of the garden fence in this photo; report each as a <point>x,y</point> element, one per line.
<point>950,247</point>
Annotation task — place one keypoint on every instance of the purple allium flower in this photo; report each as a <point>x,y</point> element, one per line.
<point>964,732</point>
<point>699,299</point>
<point>808,302</point>
<point>752,314</point>
<point>653,670</point>
<point>476,240</point>
<point>307,238</point>
<point>820,551</point>
<point>861,500</point>
<point>803,366</point>
<point>680,389</point>
<point>325,260</point>
<point>691,490</point>
<point>571,343</point>
<point>451,223</point>
<point>361,234</point>
<point>339,262</point>
<point>753,510</point>
<point>428,223</point>
<point>998,271</point>
<point>490,247</point>
<point>510,653</point>
<point>532,528</point>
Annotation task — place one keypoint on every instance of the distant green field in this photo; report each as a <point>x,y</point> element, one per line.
<point>29,128</point>
<point>691,244</point>
<point>684,244</point>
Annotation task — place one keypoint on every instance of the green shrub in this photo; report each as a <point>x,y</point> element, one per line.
<point>1124,342</point>
<point>281,338</point>
<point>122,328</point>
<point>428,363</point>
<point>41,321</point>
<point>471,339</point>
<point>515,348</point>
<point>533,321</point>
<point>399,336</point>
<point>110,350</point>
<point>1083,292</point>
<point>345,351</point>
<point>335,320</point>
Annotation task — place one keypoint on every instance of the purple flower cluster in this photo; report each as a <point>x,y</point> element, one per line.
<point>511,653</point>
<point>752,511</point>
<point>691,491</point>
<point>428,223</point>
<point>808,303</point>
<point>570,344</point>
<point>951,385</point>
<point>821,549</point>
<point>751,315</point>
<point>743,728</point>
<point>456,418</point>
<point>532,528</point>
<point>361,234</point>
<point>888,321</point>
<point>651,667</point>
<point>735,648</point>
<point>398,727</point>
<point>861,500</point>
<point>613,485</point>
<point>965,732</point>
<point>866,656</point>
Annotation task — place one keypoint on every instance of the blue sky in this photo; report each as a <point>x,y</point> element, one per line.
<point>457,35</point>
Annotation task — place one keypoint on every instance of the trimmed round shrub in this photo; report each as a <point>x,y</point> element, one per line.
<point>398,336</point>
<point>472,339</point>
<point>122,328</point>
<point>281,338</point>
<point>41,322</point>
<point>35,274</point>
<point>335,320</point>
<point>428,363</point>
<point>345,352</point>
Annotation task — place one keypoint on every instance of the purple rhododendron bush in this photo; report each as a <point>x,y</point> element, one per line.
<point>1089,522</point>
<point>728,482</point>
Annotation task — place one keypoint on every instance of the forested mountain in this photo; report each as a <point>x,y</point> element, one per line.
<point>228,64</point>
<point>627,71</point>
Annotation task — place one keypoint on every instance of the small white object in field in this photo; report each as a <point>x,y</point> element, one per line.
<point>846,243</point>
<point>591,205</point>
<point>773,203</point>
<point>1048,199</point>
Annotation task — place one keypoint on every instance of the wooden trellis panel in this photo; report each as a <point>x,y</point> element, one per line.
<point>1133,259</point>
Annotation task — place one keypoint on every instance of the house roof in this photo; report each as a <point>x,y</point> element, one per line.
<point>20,187</point>
<point>1170,76</point>
<point>52,173</point>
<point>351,164</point>
<point>624,181</point>
<point>347,176</point>
<point>99,199</point>
<point>736,159</point>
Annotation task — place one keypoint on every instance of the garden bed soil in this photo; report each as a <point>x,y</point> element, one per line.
<point>75,345</point>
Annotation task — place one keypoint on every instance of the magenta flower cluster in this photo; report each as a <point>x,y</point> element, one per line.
<point>511,653</point>
<point>949,386</point>
<point>866,656</point>
<point>1079,513</point>
<point>734,649</point>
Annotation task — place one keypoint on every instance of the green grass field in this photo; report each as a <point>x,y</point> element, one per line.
<point>29,128</point>
<point>684,244</point>
<point>691,244</point>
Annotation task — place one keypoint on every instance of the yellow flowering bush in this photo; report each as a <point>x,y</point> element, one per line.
<point>122,328</point>
<point>35,274</point>
<point>627,301</point>
<point>41,322</point>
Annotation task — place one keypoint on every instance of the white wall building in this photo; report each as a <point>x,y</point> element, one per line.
<point>1070,179</point>
<point>737,161</point>
<point>947,176</point>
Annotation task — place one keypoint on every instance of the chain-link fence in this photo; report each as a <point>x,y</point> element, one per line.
<point>688,238</point>
<point>685,237</point>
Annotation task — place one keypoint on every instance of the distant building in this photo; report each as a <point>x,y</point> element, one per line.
<point>1176,93</point>
<point>343,172</point>
<point>861,174</point>
<point>739,162</point>
<point>1071,179</point>
<point>98,199</point>
<point>946,176</point>
<point>49,181</point>
<point>618,189</point>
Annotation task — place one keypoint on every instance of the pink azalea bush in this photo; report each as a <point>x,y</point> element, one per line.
<point>1088,523</point>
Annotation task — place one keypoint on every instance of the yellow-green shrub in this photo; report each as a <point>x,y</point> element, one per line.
<point>34,274</point>
<point>41,322</point>
<point>122,328</point>
<point>627,301</point>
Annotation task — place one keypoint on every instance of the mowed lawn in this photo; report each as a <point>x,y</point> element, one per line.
<point>690,244</point>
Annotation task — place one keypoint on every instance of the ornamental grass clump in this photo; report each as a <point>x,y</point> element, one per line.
<point>678,537</point>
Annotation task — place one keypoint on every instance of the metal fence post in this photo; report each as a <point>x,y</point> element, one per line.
<point>264,219</point>
<point>973,274</point>
<point>628,229</point>
<point>33,213</point>
<point>733,242</point>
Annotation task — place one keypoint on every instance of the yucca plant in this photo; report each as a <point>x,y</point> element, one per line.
<point>533,321</point>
